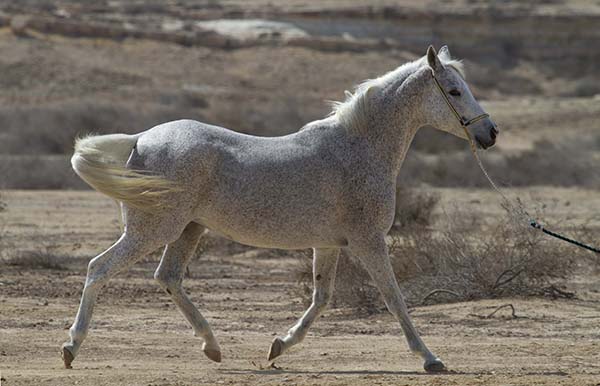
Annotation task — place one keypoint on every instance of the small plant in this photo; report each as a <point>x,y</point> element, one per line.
<point>3,246</point>
<point>509,259</point>
<point>43,259</point>
<point>414,208</point>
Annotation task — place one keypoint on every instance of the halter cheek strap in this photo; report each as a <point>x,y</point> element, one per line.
<point>463,121</point>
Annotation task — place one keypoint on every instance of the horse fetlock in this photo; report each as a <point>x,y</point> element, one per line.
<point>295,337</point>
<point>77,335</point>
<point>416,347</point>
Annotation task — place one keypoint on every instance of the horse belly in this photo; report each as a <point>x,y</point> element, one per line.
<point>275,228</point>
<point>282,239</point>
<point>286,214</point>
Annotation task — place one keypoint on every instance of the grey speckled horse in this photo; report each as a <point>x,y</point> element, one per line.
<point>329,186</point>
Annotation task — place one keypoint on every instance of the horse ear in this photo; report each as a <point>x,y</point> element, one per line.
<point>444,53</point>
<point>432,58</point>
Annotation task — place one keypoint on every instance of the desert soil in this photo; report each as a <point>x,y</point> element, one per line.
<point>249,296</point>
<point>538,84</point>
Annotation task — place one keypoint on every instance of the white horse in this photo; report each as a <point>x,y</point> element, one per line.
<point>329,186</point>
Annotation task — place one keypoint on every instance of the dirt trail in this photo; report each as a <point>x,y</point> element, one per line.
<point>139,338</point>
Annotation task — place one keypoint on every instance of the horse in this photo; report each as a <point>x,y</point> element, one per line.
<point>328,186</point>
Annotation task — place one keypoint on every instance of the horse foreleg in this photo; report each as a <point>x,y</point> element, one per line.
<point>169,275</point>
<point>373,254</point>
<point>324,267</point>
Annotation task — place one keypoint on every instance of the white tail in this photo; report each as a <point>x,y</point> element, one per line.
<point>100,161</point>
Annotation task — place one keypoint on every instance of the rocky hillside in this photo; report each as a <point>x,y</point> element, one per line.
<point>556,38</point>
<point>267,67</point>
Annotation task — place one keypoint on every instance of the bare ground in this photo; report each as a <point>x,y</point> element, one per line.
<point>250,295</point>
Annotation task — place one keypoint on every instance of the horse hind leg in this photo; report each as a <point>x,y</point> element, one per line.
<point>169,275</point>
<point>120,256</point>
<point>324,269</point>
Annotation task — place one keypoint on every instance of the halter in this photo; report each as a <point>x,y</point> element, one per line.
<point>465,123</point>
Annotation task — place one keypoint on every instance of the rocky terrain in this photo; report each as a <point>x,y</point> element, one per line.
<point>267,68</point>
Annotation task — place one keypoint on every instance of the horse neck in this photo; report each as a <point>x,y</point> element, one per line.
<point>393,128</point>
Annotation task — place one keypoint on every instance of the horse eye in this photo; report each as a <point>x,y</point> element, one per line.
<point>454,92</point>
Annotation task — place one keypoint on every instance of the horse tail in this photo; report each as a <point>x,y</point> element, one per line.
<point>100,161</point>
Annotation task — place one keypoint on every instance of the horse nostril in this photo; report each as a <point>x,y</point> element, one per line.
<point>495,130</point>
<point>493,134</point>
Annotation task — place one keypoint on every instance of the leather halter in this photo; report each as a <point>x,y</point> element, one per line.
<point>465,123</point>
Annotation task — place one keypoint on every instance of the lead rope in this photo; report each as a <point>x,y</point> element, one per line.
<point>519,209</point>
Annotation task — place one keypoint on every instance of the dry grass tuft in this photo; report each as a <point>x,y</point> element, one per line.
<point>43,259</point>
<point>570,162</point>
<point>510,259</point>
<point>2,202</point>
<point>3,244</point>
<point>464,262</point>
<point>414,208</point>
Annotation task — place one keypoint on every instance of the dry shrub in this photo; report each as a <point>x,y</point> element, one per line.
<point>569,163</point>
<point>46,257</point>
<point>4,247</point>
<point>509,259</point>
<point>464,262</point>
<point>2,202</point>
<point>43,259</point>
<point>51,129</point>
<point>414,208</point>
<point>49,171</point>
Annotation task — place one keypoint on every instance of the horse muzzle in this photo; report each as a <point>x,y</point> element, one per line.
<point>488,139</point>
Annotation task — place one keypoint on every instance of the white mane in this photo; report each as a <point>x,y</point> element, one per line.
<point>353,112</point>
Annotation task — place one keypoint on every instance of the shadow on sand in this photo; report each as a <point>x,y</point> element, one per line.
<point>276,371</point>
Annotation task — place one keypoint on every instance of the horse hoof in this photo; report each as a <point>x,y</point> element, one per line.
<point>434,366</point>
<point>276,349</point>
<point>213,355</point>
<point>67,357</point>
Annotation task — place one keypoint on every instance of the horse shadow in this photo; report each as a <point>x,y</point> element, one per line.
<point>279,371</point>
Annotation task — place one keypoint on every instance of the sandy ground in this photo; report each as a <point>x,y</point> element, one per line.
<point>251,295</point>
<point>139,338</point>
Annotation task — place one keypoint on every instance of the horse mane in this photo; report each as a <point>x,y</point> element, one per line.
<point>353,112</point>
